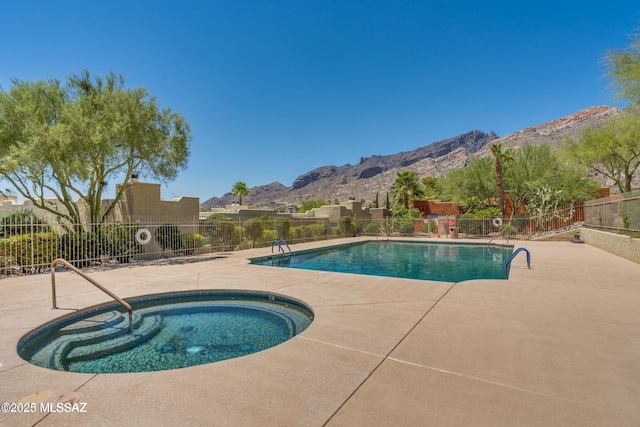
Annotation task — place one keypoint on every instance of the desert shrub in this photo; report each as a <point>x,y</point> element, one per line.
<point>469,224</point>
<point>319,230</point>
<point>295,233</point>
<point>405,226</point>
<point>6,260</point>
<point>269,235</point>
<point>308,231</point>
<point>33,252</point>
<point>221,231</point>
<point>372,228</point>
<point>253,229</point>
<point>311,232</point>
<point>327,229</point>
<point>268,222</point>
<point>357,227</point>
<point>190,242</point>
<point>508,230</point>
<point>282,227</point>
<point>22,221</point>
<point>630,213</point>
<point>120,241</point>
<point>168,237</point>
<point>347,227</point>
<point>80,249</point>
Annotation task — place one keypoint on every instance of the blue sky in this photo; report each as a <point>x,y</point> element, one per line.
<point>273,89</point>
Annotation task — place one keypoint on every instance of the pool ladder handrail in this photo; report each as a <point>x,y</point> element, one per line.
<point>280,243</point>
<point>90,280</point>
<point>513,255</point>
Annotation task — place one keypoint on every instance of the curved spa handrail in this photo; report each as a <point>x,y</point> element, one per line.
<point>89,279</point>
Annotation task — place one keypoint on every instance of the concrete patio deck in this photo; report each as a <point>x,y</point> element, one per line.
<point>556,345</point>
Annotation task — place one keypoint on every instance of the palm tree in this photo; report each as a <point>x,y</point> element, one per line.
<point>240,189</point>
<point>501,157</point>
<point>407,188</point>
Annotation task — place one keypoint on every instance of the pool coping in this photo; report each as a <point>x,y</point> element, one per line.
<point>532,350</point>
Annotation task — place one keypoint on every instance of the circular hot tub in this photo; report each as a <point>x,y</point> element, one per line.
<point>166,331</point>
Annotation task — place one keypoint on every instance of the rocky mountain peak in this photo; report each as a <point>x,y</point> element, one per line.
<point>376,174</point>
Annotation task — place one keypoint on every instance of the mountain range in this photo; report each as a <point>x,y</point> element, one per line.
<point>376,174</point>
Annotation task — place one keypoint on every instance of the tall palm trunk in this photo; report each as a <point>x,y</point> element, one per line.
<point>500,156</point>
<point>500,185</point>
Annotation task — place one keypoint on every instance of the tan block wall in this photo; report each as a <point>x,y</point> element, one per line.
<point>622,246</point>
<point>142,200</point>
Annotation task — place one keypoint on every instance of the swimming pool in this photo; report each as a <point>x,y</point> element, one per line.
<point>444,262</point>
<point>169,331</point>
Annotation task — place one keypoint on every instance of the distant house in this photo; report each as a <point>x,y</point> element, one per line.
<point>435,207</point>
<point>141,202</point>
<point>331,213</point>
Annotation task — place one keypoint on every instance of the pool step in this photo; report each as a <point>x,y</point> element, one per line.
<point>100,321</point>
<point>112,323</point>
<point>96,343</point>
<point>149,326</point>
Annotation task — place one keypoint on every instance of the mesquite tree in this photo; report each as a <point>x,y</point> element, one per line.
<point>60,144</point>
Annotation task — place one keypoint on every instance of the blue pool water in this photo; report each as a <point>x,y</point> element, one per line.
<point>169,331</point>
<point>445,262</point>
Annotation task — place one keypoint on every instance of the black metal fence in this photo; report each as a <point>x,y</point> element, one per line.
<point>28,244</point>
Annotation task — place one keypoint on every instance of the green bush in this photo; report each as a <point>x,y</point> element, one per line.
<point>269,235</point>
<point>168,237</point>
<point>22,221</point>
<point>268,222</point>
<point>357,227</point>
<point>470,224</point>
<point>295,233</point>
<point>630,214</point>
<point>311,232</point>
<point>32,252</point>
<point>405,226</point>
<point>347,227</point>
<point>508,230</point>
<point>190,242</point>
<point>372,228</point>
<point>283,226</point>
<point>80,249</point>
<point>221,231</point>
<point>305,232</point>
<point>319,230</point>
<point>490,213</point>
<point>253,229</point>
<point>6,260</point>
<point>120,241</point>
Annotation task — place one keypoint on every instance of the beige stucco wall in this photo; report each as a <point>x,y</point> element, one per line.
<point>620,245</point>
<point>142,200</point>
<point>332,213</point>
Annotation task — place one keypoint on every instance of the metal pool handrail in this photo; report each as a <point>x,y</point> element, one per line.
<point>513,255</point>
<point>89,279</point>
<point>279,243</point>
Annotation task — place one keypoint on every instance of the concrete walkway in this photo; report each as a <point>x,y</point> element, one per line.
<point>556,345</point>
